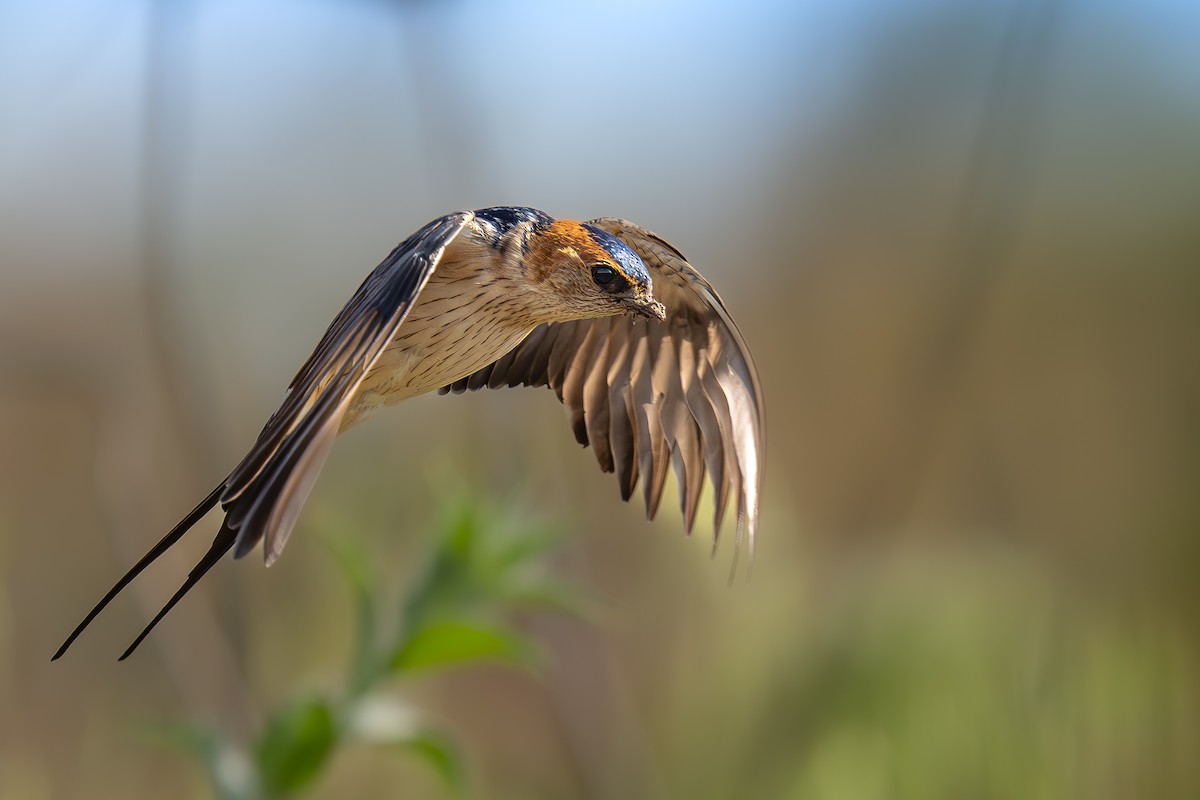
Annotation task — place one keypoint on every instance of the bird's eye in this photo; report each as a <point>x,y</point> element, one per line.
<point>602,275</point>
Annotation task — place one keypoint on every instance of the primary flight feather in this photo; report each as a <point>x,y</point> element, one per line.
<point>639,348</point>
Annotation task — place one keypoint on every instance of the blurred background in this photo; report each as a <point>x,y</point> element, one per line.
<point>961,238</point>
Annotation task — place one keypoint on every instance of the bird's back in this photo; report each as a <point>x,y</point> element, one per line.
<point>470,313</point>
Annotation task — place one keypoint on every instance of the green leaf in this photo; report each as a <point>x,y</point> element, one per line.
<point>455,642</point>
<point>295,746</point>
<point>441,754</point>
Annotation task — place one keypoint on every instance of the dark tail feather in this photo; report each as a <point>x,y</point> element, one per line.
<point>163,546</point>
<point>220,546</point>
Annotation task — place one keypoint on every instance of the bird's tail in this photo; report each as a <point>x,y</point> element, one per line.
<point>221,545</point>
<point>262,498</point>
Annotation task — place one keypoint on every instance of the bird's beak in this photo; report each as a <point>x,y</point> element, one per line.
<point>647,306</point>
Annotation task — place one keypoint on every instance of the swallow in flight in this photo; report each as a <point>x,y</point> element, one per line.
<point>651,368</point>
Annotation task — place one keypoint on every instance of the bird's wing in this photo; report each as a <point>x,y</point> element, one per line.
<point>646,394</point>
<point>263,495</point>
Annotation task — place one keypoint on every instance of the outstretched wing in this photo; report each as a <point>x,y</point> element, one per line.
<point>646,394</point>
<point>262,497</point>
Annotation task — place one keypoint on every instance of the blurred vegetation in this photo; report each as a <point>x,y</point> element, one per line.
<point>485,564</point>
<point>959,237</point>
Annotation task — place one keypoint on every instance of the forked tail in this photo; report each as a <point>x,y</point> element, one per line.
<point>220,546</point>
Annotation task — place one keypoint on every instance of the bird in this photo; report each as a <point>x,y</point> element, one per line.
<point>638,347</point>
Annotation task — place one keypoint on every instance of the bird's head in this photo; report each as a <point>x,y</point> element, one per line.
<point>588,272</point>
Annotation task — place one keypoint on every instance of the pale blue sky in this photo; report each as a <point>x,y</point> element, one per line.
<point>338,111</point>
